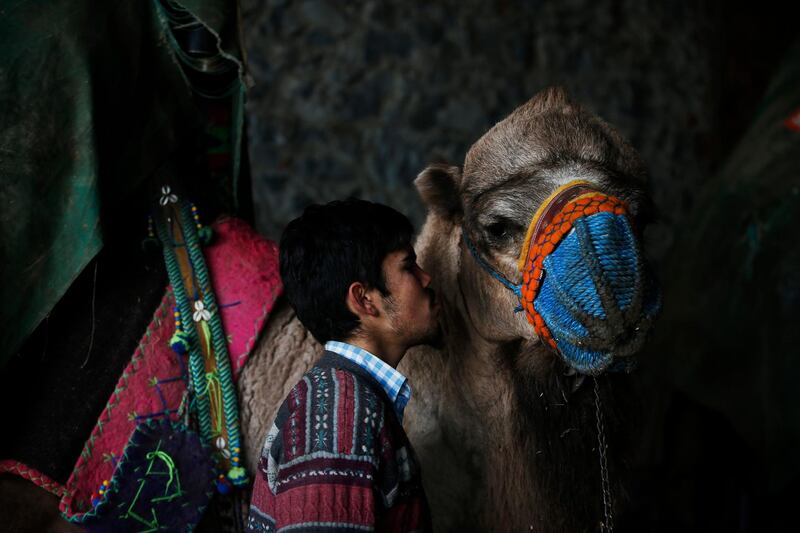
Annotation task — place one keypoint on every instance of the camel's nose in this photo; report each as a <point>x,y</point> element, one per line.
<point>595,299</point>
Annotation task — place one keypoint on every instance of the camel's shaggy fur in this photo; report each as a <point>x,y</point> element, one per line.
<point>283,354</point>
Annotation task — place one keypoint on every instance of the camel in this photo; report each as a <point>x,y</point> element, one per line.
<point>505,429</point>
<point>506,432</point>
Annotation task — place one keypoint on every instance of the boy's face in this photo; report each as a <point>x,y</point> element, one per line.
<point>411,307</point>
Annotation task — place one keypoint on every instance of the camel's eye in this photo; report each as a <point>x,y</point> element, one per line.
<point>501,230</point>
<point>498,230</point>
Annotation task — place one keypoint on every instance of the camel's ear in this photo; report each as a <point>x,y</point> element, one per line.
<point>439,186</point>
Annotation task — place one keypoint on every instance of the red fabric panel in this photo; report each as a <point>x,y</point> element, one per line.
<point>344,412</point>
<point>262,498</point>
<point>294,433</point>
<point>343,504</point>
<point>402,517</point>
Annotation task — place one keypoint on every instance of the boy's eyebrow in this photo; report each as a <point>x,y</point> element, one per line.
<point>411,256</point>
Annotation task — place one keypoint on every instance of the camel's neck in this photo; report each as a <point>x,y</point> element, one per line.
<point>525,404</point>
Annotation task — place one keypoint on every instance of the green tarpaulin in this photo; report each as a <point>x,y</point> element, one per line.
<point>94,98</point>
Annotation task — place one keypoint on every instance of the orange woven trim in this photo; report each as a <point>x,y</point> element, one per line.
<point>32,475</point>
<point>538,215</point>
<point>547,241</point>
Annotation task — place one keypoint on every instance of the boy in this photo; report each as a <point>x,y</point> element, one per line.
<point>337,457</point>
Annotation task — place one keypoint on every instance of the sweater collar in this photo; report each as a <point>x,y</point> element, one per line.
<point>393,383</point>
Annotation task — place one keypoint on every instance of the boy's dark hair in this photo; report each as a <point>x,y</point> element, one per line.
<point>328,248</point>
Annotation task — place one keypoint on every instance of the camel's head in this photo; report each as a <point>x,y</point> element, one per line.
<point>547,212</point>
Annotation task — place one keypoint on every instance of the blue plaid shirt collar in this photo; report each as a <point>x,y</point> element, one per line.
<point>393,382</point>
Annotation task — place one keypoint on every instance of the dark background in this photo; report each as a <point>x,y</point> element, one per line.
<point>355,98</point>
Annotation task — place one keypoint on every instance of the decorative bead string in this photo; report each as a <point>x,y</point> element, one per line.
<point>204,233</point>
<point>99,495</point>
<point>180,339</point>
<point>151,241</point>
<point>211,384</point>
<point>196,366</point>
<point>237,474</point>
<point>210,387</point>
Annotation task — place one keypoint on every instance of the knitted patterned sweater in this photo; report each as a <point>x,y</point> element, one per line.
<point>337,458</point>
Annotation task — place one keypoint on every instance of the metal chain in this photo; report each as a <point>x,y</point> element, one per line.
<point>607,525</point>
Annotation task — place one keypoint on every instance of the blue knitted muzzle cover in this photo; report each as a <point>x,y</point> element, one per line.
<point>585,287</point>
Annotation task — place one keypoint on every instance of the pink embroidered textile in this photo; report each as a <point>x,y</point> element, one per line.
<point>245,276</point>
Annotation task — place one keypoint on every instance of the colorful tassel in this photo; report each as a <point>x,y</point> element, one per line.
<point>223,485</point>
<point>179,342</point>
<point>237,476</point>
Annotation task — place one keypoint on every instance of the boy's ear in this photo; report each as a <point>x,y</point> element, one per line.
<point>439,187</point>
<point>360,300</point>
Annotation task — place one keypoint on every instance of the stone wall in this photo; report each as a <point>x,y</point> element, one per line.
<point>355,98</point>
